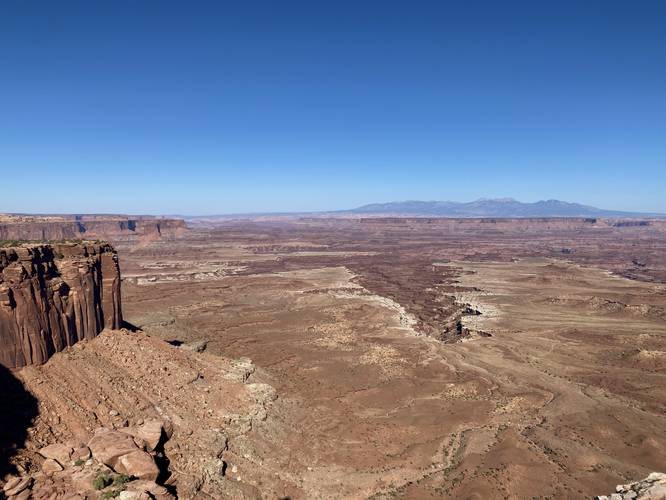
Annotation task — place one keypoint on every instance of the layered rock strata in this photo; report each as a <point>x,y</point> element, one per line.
<point>52,296</point>
<point>108,227</point>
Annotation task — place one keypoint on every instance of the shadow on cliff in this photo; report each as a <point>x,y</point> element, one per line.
<point>129,326</point>
<point>18,411</point>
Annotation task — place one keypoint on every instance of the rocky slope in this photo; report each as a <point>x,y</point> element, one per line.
<point>52,296</point>
<point>112,464</point>
<point>107,227</point>
<point>118,414</point>
<point>127,383</point>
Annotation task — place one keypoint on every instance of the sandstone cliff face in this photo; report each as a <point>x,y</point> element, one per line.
<point>107,227</point>
<point>52,296</point>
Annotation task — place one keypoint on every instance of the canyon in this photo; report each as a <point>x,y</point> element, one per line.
<point>423,373</point>
<point>313,357</point>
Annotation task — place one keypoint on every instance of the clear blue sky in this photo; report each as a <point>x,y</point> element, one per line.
<point>214,107</point>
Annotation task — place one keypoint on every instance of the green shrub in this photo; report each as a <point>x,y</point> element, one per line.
<point>121,479</point>
<point>102,481</point>
<point>11,243</point>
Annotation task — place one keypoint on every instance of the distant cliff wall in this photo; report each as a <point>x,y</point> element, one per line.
<point>516,224</point>
<point>52,296</point>
<point>116,228</point>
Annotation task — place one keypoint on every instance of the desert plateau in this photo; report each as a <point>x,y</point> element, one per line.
<point>356,358</point>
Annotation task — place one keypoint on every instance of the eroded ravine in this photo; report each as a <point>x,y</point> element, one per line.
<point>367,407</point>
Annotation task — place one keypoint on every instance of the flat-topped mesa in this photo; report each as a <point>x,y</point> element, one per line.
<point>106,227</point>
<point>52,296</point>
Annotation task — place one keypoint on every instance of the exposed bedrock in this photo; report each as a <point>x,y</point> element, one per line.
<point>115,228</point>
<point>52,296</point>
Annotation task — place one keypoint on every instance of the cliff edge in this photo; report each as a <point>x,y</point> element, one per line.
<point>52,296</point>
<point>106,227</point>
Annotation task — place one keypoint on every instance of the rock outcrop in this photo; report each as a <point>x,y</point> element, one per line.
<point>652,487</point>
<point>192,412</point>
<point>106,227</point>
<point>52,296</point>
<point>113,464</point>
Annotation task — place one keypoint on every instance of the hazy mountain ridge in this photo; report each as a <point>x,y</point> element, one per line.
<point>500,207</point>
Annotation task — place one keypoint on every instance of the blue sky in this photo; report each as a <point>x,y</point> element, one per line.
<point>217,107</point>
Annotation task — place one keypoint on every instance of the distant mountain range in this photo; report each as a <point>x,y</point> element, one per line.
<point>500,207</point>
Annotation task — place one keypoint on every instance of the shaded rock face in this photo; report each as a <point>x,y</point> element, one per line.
<point>52,296</point>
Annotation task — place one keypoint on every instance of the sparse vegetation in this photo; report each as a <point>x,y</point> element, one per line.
<point>16,243</point>
<point>78,462</point>
<point>11,243</point>
<point>121,480</point>
<point>102,481</point>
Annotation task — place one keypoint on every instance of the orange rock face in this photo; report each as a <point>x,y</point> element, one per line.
<point>52,296</point>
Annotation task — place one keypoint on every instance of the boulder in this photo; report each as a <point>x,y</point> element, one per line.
<point>153,489</point>
<point>149,434</point>
<point>61,453</point>
<point>199,346</point>
<point>652,487</point>
<point>51,466</point>
<point>138,464</point>
<point>108,446</point>
<point>17,485</point>
<point>167,427</point>
<point>655,492</point>
<point>83,480</point>
<point>11,482</point>
<point>24,495</point>
<point>82,453</point>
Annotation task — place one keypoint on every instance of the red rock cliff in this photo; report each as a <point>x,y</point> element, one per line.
<point>52,296</point>
<point>106,227</point>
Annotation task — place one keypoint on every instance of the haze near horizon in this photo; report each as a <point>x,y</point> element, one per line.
<point>213,107</point>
